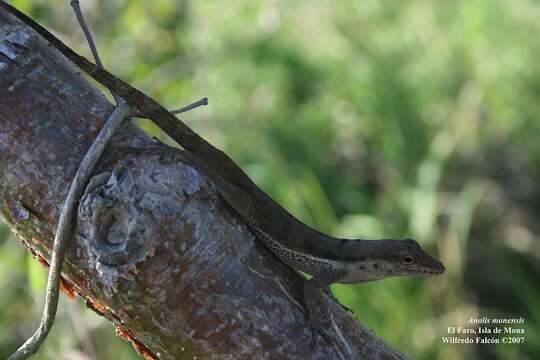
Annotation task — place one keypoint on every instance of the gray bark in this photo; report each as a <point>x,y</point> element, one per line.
<point>155,249</point>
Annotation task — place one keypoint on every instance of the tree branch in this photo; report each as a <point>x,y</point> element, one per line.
<point>155,250</point>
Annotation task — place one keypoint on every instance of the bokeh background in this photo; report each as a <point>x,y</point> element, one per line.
<point>372,119</point>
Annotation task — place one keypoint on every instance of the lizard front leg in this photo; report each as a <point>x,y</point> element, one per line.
<point>313,300</point>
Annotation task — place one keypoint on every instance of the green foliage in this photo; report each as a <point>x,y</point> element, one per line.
<point>363,118</point>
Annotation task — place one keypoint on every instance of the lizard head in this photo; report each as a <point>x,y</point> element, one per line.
<point>405,258</point>
<point>384,258</point>
<point>410,259</point>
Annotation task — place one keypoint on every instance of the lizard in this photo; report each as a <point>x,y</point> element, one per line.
<point>327,259</point>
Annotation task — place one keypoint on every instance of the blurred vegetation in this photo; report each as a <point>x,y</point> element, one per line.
<point>365,119</point>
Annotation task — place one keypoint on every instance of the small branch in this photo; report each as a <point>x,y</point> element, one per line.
<point>196,104</point>
<point>89,38</point>
<point>63,230</point>
<point>193,105</point>
<point>80,17</point>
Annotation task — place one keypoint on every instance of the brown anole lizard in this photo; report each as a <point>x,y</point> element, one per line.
<point>327,259</point>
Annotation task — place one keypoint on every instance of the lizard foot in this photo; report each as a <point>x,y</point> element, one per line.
<point>314,302</point>
<point>316,333</point>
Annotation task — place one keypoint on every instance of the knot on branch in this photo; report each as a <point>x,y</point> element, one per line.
<point>115,227</point>
<point>12,40</point>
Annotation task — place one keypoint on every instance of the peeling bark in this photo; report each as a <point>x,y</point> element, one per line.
<point>155,249</point>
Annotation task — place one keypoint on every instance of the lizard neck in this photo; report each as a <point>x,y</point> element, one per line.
<point>298,258</point>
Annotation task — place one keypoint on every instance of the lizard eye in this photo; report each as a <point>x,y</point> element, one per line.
<point>408,259</point>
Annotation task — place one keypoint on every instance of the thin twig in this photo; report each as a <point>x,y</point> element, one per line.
<point>89,38</point>
<point>193,105</point>
<point>80,17</point>
<point>196,104</point>
<point>63,230</point>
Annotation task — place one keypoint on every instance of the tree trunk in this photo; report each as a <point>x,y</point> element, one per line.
<point>155,249</point>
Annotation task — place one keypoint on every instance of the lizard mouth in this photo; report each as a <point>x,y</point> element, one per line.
<point>430,268</point>
<point>431,271</point>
